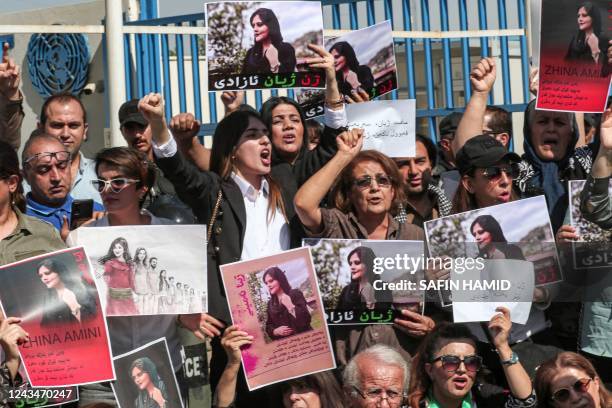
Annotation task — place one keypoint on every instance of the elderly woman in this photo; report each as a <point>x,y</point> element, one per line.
<point>366,198</point>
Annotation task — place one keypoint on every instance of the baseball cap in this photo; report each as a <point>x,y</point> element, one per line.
<point>482,151</point>
<point>449,123</point>
<point>129,113</point>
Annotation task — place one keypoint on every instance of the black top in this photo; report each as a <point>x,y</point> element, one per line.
<point>364,74</point>
<point>278,315</point>
<point>255,61</point>
<point>56,311</point>
<point>579,50</point>
<point>511,251</point>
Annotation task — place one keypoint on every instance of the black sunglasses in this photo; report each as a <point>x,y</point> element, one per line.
<point>366,181</point>
<point>495,172</point>
<point>564,394</point>
<point>451,363</point>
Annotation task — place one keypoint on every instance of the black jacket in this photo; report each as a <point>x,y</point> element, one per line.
<point>364,74</point>
<point>278,315</point>
<point>255,61</point>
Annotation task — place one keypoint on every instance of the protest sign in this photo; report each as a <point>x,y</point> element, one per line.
<point>368,281</point>
<point>262,44</point>
<point>148,269</point>
<point>518,229</point>
<point>574,70</point>
<point>145,378</point>
<point>593,249</point>
<point>290,335</point>
<point>501,282</point>
<point>364,61</point>
<point>389,126</point>
<point>57,300</point>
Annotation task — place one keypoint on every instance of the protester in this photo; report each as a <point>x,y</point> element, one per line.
<point>63,116</point>
<point>123,177</point>
<point>497,122</point>
<point>11,336</point>
<point>444,371</point>
<point>425,201</point>
<point>569,380</point>
<point>378,373</point>
<point>446,158</point>
<point>11,100</point>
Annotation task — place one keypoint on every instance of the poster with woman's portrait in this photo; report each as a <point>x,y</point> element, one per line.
<point>593,249</point>
<point>148,269</point>
<point>276,300</point>
<point>574,69</point>
<point>145,378</point>
<point>364,61</point>
<point>518,229</point>
<point>368,281</point>
<point>262,44</point>
<point>56,298</point>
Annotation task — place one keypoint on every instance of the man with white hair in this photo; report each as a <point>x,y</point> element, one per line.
<point>376,377</point>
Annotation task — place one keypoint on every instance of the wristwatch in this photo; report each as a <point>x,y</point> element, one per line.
<point>514,358</point>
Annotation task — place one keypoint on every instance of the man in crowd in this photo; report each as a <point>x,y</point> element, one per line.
<point>446,158</point>
<point>63,116</point>
<point>161,199</point>
<point>375,374</point>
<point>424,200</point>
<point>46,167</point>
<point>498,124</point>
<point>11,100</point>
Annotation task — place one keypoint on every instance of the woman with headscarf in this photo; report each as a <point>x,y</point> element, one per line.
<point>589,44</point>
<point>350,75</point>
<point>152,392</point>
<point>492,243</point>
<point>359,294</point>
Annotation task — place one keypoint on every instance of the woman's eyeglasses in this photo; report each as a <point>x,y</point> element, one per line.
<point>116,185</point>
<point>451,363</point>
<point>366,181</point>
<point>564,394</point>
<point>495,172</point>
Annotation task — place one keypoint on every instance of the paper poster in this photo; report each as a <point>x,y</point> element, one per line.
<point>519,230</point>
<point>364,60</point>
<point>276,299</point>
<point>593,249</point>
<point>56,297</point>
<point>262,44</point>
<point>500,282</point>
<point>148,269</point>
<point>145,378</point>
<point>574,70</point>
<point>389,126</point>
<point>368,281</point>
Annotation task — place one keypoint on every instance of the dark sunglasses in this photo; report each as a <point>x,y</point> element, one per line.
<point>451,363</point>
<point>116,185</point>
<point>564,394</point>
<point>366,181</point>
<point>495,172</point>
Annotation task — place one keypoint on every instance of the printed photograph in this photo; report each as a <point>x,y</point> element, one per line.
<point>145,378</point>
<point>148,270</point>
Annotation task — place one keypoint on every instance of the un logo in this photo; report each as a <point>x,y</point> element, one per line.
<point>58,63</point>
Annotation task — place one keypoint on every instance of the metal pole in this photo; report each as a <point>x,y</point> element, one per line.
<point>115,67</point>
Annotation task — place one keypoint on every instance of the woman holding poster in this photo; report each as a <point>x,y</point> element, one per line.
<point>288,312</point>
<point>270,53</point>
<point>589,44</point>
<point>350,75</point>
<point>68,299</point>
<point>119,276</point>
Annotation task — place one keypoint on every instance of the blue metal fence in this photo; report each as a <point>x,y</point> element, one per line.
<point>157,62</point>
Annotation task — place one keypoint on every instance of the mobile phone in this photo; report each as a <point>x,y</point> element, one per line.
<point>81,211</point>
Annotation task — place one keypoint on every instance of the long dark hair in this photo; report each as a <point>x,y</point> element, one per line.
<point>566,359</point>
<point>163,280</point>
<point>420,383</point>
<point>346,50</point>
<point>490,224</point>
<point>148,366</point>
<point>324,383</point>
<point>266,116</point>
<point>593,12</point>
<point>74,283</point>
<point>465,201</point>
<point>225,141</point>
<point>269,19</point>
<point>277,274</point>
<point>366,256</point>
<point>110,255</point>
<point>9,166</point>
<point>144,261</point>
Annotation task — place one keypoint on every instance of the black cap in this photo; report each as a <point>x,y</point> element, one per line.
<point>482,151</point>
<point>129,113</point>
<point>449,123</point>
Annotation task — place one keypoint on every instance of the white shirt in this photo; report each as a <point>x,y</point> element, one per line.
<point>261,237</point>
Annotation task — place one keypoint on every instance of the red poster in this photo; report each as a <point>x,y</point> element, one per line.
<point>57,299</point>
<point>574,69</point>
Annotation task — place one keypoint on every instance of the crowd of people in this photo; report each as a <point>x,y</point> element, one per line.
<point>264,186</point>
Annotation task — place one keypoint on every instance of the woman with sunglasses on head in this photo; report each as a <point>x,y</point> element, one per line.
<point>124,178</point>
<point>444,371</point>
<point>570,380</point>
<point>367,191</point>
